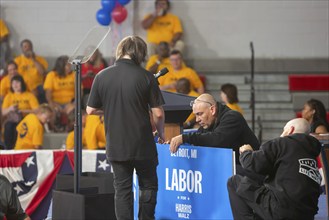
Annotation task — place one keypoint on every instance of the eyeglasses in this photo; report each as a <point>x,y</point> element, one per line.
<point>199,100</point>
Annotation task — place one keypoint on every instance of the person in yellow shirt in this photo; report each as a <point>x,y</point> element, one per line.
<point>163,26</point>
<point>30,129</point>
<point>33,69</point>
<point>59,87</point>
<point>93,133</point>
<point>5,84</point>
<point>179,70</point>
<point>159,61</point>
<point>184,87</point>
<point>16,105</point>
<point>4,45</point>
<point>229,95</point>
<point>70,137</point>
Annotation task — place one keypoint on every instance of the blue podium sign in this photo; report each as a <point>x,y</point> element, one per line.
<point>192,183</point>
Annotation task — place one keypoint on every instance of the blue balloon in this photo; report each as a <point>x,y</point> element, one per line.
<point>123,2</point>
<point>103,17</point>
<point>108,5</point>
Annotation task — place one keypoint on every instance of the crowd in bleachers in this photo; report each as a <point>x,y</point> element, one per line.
<point>34,99</point>
<point>26,81</point>
<point>27,86</point>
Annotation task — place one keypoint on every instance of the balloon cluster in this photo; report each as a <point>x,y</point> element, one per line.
<point>112,9</point>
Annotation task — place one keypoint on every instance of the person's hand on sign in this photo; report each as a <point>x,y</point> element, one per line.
<point>175,142</point>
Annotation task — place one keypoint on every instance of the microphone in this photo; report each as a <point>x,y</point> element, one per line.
<point>162,72</point>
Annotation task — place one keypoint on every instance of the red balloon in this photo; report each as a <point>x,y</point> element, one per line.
<point>119,14</point>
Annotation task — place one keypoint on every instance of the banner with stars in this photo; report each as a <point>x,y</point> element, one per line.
<point>92,161</point>
<point>32,173</point>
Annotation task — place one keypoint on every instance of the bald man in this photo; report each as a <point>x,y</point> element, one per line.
<point>292,185</point>
<point>220,127</point>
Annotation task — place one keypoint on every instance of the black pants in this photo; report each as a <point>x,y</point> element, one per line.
<point>249,200</point>
<point>148,188</point>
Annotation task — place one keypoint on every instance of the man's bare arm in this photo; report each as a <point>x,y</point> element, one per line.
<point>94,111</point>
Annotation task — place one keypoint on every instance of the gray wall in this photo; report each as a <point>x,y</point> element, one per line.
<point>56,27</point>
<point>223,29</point>
<point>214,29</point>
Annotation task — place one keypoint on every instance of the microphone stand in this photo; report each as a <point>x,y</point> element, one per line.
<point>77,126</point>
<point>252,88</point>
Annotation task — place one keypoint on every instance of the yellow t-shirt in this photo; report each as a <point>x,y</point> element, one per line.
<point>3,29</point>
<point>94,132</point>
<point>70,140</point>
<point>185,72</point>
<point>62,88</point>
<point>235,107</point>
<point>24,101</point>
<point>164,63</point>
<point>29,133</point>
<point>4,86</point>
<point>164,28</point>
<point>28,70</point>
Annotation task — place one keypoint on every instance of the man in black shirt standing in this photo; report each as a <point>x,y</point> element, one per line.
<point>125,92</point>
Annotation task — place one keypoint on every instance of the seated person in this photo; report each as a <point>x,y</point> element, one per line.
<point>33,68</point>
<point>70,137</point>
<point>10,206</point>
<point>159,61</point>
<point>30,129</point>
<point>5,83</point>
<point>179,70</point>
<point>220,127</point>
<point>93,133</point>
<point>229,95</point>
<point>15,106</point>
<point>5,50</point>
<point>184,86</point>
<point>315,113</point>
<point>60,88</point>
<point>292,185</point>
<point>88,72</point>
<point>163,26</point>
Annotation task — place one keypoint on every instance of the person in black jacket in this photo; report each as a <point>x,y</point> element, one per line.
<point>10,207</point>
<point>221,127</point>
<point>292,185</point>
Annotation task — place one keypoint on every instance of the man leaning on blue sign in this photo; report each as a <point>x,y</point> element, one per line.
<point>220,127</point>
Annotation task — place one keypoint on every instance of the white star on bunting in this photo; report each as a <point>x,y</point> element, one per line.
<point>18,189</point>
<point>29,161</point>
<point>103,164</point>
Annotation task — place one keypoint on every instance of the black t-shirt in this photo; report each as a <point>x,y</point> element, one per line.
<point>318,123</point>
<point>125,91</point>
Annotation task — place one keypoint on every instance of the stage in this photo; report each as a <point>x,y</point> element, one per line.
<point>192,182</point>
